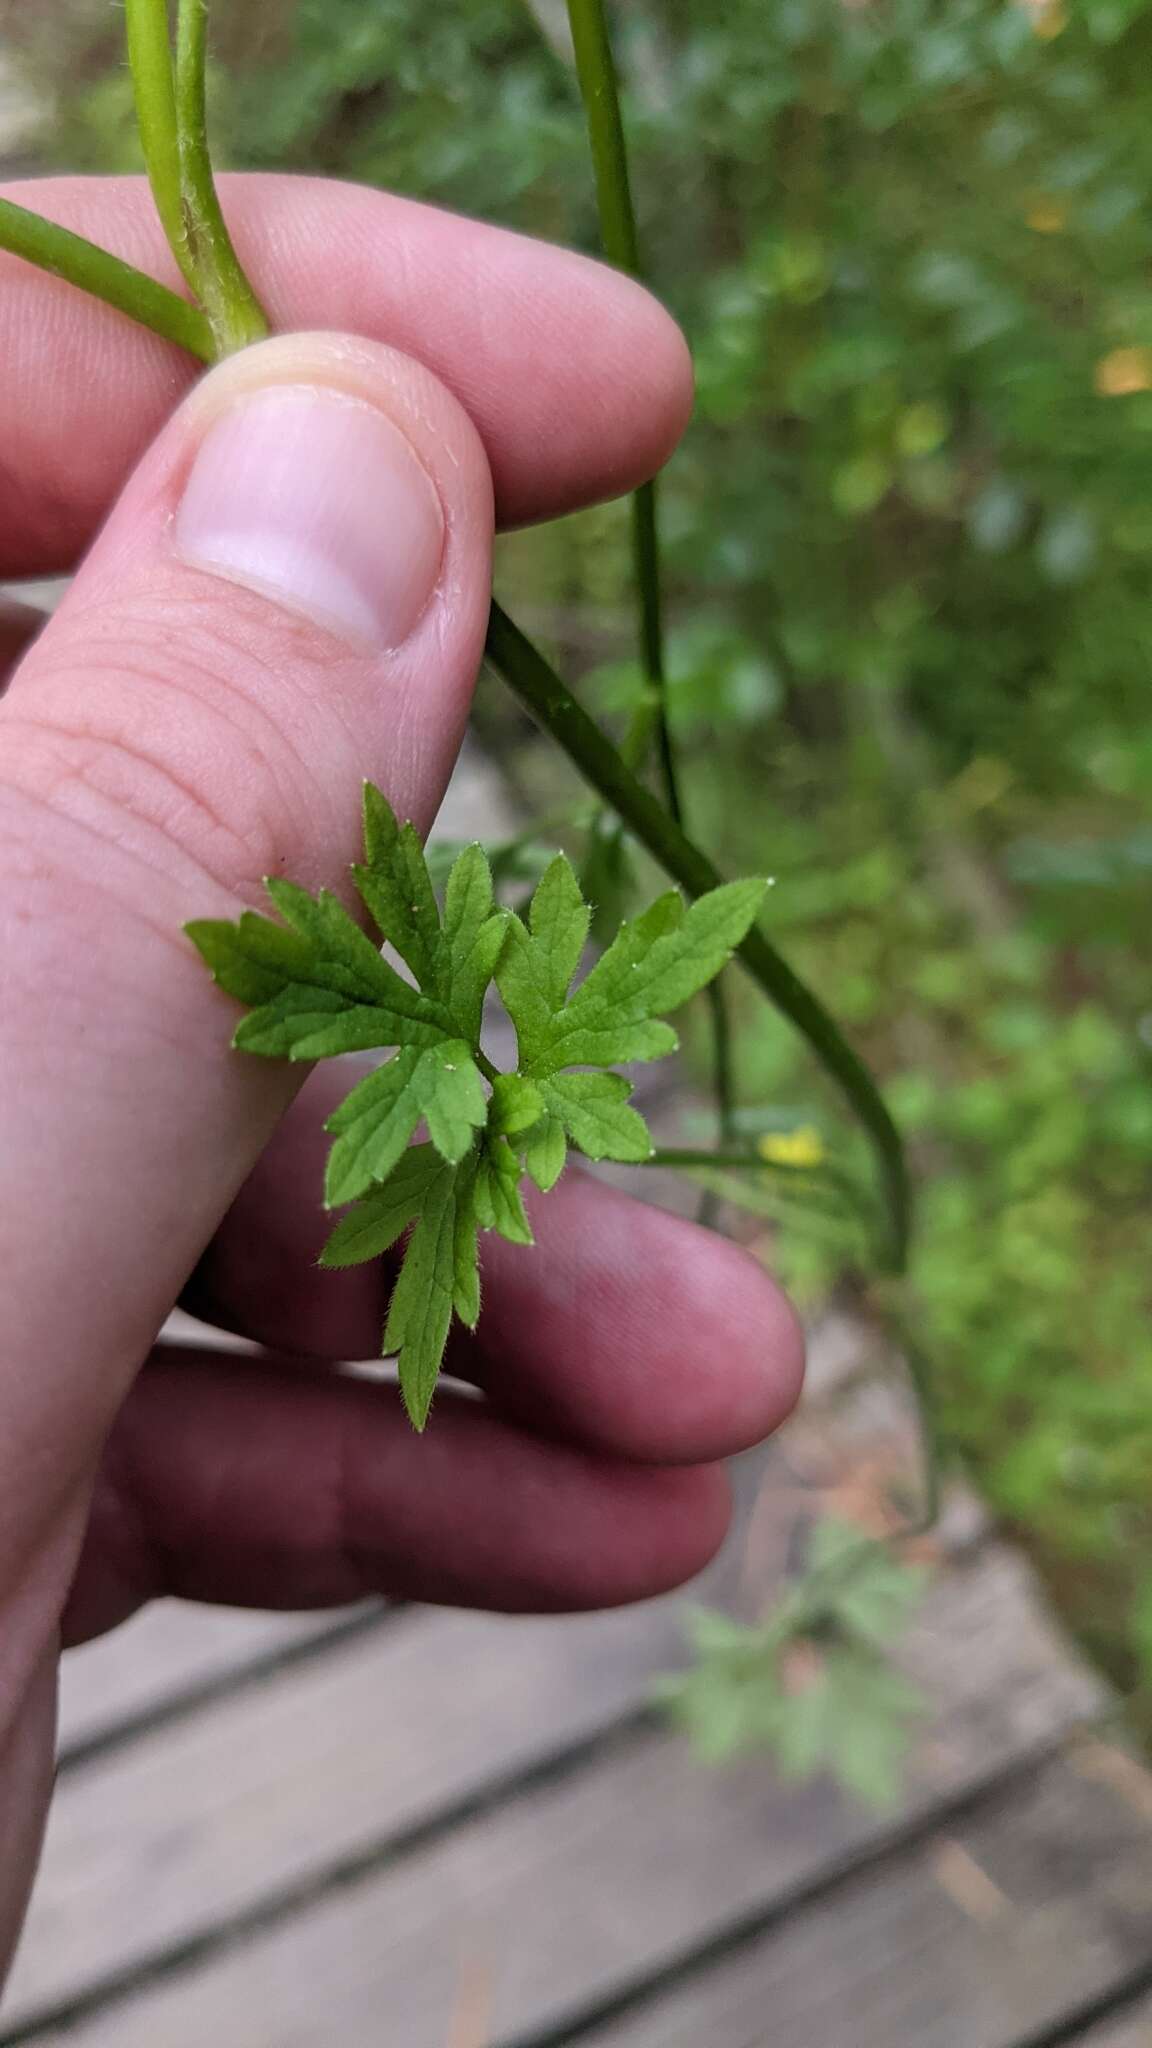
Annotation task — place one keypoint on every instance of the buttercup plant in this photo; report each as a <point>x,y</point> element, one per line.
<point>316,986</point>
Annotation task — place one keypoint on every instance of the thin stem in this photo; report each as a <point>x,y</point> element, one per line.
<point>895,1309</point>
<point>723,1078</point>
<point>765,1199</point>
<point>233,309</point>
<point>646,558</point>
<point>552,705</point>
<point>823,1215</point>
<point>746,1159</point>
<point>596,72</point>
<point>154,87</point>
<point>105,277</point>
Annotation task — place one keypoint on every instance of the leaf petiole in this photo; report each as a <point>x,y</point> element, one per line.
<point>104,276</point>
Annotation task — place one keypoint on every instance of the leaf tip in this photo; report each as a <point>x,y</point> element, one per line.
<point>417,1407</point>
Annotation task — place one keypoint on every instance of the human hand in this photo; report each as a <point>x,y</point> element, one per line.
<point>289,595</point>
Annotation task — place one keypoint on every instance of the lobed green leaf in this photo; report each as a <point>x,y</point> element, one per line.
<point>373,1224</point>
<point>655,963</point>
<point>517,1104</point>
<point>343,957</point>
<point>316,986</point>
<point>609,1042</point>
<point>661,959</point>
<point>468,898</point>
<point>452,1098</point>
<point>420,1312</point>
<point>375,1123</point>
<point>465,1251</point>
<point>252,959</point>
<point>594,1111</point>
<point>558,920</point>
<point>318,1023</point>
<point>471,965</point>
<point>546,1153</point>
<point>522,979</point>
<point>499,1203</point>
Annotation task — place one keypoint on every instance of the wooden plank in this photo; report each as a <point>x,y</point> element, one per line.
<point>564,1891</point>
<point>199,1820</point>
<point>172,1651</point>
<point>576,1672</point>
<point>978,1938</point>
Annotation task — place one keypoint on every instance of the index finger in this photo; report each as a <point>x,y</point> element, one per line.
<point>577,379</point>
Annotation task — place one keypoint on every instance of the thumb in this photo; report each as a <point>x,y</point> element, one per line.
<point>290,595</point>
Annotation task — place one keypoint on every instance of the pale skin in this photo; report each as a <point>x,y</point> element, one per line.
<point>167,740</point>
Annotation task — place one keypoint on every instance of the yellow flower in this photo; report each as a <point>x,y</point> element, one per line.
<point>1047,216</point>
<point>802,1147</point>
<point>1123,371</point>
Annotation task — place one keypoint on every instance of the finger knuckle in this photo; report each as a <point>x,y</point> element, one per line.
<point>179,737</point>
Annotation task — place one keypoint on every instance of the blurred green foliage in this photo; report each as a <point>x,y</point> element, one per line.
<point>910,570</point>
<point>815,1681</point>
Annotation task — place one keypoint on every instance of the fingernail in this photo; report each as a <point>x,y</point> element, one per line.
<point>317,500</point>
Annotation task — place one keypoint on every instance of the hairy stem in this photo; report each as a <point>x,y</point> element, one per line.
<point>552,705</point>
<point>233,309</point>
<point>104,276</point>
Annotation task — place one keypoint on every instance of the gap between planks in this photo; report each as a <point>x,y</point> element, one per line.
<point>895,1952</point>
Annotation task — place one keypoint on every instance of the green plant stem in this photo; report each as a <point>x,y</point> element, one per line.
<point>738,1159</point>
<point>235,313</point>
<point>646,561</point>
<point>896,1311</point>
<point>154,87</point>
<point>94,270</point>
<point>552,705</point>
<point>596,72</point>
<point>723,1079</point>
<point>765,1198</point>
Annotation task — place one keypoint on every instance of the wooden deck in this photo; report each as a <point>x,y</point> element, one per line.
<point>420,1829</point>
<point>437,1830</point>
